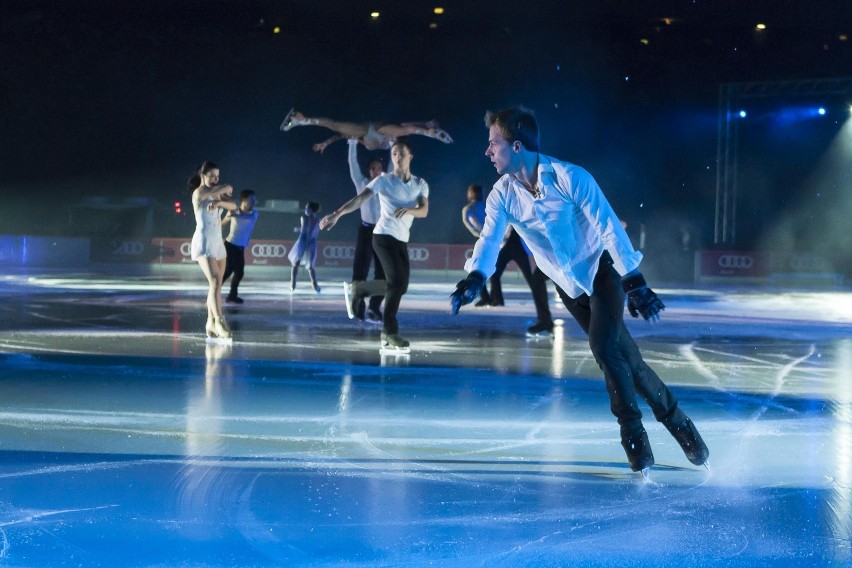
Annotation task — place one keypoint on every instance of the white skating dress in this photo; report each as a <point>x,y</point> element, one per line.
<point>207,240</point>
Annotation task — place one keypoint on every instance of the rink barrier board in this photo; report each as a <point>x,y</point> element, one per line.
<point>796,269</point>
<point>710,265</point>
<point>330,254</point>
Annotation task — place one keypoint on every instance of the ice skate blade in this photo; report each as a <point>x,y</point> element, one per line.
<point>539,336</point>
<point>390,350</point>
<point>646,474</point>
<point>220,340</point>
<point>287,123</point>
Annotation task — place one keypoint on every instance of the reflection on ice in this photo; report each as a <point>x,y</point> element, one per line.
<point>125,435</point>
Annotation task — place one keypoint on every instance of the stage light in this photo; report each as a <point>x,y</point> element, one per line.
<point>276,30</point>
<point>375,15</point>
<point>760,27</point>
<point>743,114</point>
<point>438,10</point>
<point>821,111</point>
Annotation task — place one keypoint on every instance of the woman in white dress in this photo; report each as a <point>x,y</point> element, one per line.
<point>208,248</point>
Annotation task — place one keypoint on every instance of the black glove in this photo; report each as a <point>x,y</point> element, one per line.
<point>641,299</point>
<point>467,290</point>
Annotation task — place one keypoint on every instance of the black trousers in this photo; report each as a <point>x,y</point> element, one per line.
<point>364,256</point>
<point>235,263</point>
<point>393,256</point>
<point>514,250</point>
<point>601,316</point>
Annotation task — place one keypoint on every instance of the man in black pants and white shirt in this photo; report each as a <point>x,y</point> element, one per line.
<point>364,253</point>
<point>402,197</point>
<point>578,241</point>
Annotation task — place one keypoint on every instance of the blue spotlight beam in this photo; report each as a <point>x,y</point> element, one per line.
<point>726,145</point>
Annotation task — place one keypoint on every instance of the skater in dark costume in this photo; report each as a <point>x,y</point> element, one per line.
<point>304,251</point>
<point>513,249</point>
<point>364,253</point>
<point>242,222</point>
<point>373,135</point>
<point>583,248</point>
<point>209,198</point>
<point>403,197</point>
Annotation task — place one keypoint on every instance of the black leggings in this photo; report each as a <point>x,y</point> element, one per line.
<point>514,250</point>
<point>393,256</point>
<point>601,316</point>
<point>364,255</point>
<point>234,264</point>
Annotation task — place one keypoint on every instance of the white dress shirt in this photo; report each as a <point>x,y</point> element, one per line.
<point>394,193</point>
<point>370,208</point>
<point>567,225</point>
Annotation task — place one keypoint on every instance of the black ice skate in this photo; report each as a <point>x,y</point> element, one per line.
<point>638,450</point>
<point>686,434</point>
<point>540,330</point>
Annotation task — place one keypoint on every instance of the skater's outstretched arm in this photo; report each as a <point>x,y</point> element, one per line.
<point>215,192</point>
<point>353,204</point>
<point>321,146</point>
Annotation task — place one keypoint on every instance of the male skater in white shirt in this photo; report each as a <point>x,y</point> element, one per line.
<point>578,241</point>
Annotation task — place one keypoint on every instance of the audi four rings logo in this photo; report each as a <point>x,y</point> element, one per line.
<point>260,250</point>
<point>338,252</point>
<point>736,261</point>
<point>185,249</point>
<point>418,254</point>
<point>128,248</point>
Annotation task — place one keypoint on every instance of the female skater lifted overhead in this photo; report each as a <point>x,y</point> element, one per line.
<point>208,247</point>
<point>373,135</point>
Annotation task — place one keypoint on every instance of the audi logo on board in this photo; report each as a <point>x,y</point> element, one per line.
<point>418,254</point>
<point>185,248</point>
<point>266,250</point>
<point>338,252</point>
<point>744,261</point>
<point>128,248</point>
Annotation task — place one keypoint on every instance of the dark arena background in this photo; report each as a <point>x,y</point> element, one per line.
<point>719,131</point>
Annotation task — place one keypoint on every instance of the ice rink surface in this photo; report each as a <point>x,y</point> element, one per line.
<point>127,440</point>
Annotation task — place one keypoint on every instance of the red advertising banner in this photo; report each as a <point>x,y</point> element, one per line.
<point>458,255</point>
<point>173,251</point>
